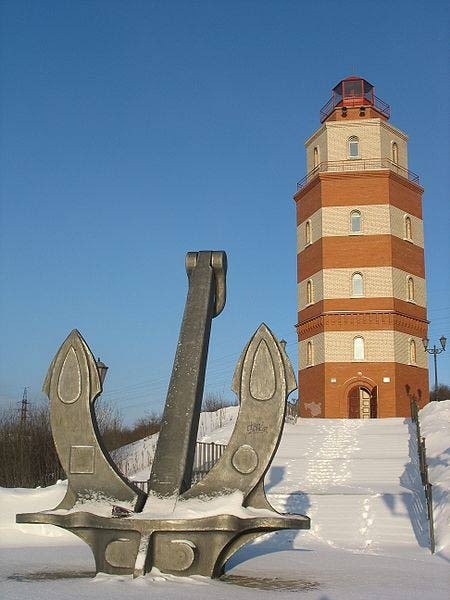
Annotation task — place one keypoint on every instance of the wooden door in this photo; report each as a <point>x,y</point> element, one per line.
<point>364,403</point>
<point>353,403</point>
<point>374,403</point>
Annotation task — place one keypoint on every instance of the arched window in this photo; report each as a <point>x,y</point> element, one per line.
<point>307,233</point>
<point>355,221</point>
<point>412,352</point>
<point>394,153</point>
<point>316,156</point>
<point>309,354</point>
<point>358,348</point>
<point>408,228</point>
<point>353,147</point>
<point>357,284</point>
<point>309,292</point>
<point>410,289</point>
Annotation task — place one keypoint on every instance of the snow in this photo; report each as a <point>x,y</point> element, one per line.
<point>195,508</point>
<point>357,480</point>
<point>13,501</point>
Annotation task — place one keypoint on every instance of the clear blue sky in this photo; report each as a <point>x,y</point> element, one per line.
<point>133,132</point>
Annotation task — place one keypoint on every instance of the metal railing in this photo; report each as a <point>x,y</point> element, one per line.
<point>336,101</point>
<point>423,466</point>
<point>370,164</point>
<point>291,412</point>
<point>206,456</point>
<point>142,485</point>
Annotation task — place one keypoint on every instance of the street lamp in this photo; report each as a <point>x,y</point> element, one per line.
<point>435,351</point>
<point>102,368</point>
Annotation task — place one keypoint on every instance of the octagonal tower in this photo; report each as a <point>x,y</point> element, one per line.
<point>360,264</point>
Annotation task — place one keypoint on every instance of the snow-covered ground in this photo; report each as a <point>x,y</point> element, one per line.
<point>357,480</point>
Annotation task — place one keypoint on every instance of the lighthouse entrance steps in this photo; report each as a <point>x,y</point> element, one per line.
<point>358,480</point>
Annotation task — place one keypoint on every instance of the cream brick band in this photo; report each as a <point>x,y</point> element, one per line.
<point>379,347</point>
<point>378,282</point>
<point>375,140</point>
<point>376,219</point>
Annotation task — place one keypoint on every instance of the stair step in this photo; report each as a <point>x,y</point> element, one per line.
<point>355,479</point>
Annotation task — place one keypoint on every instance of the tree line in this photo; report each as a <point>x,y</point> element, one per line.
<point>441,393</point>
<point>28,456</point>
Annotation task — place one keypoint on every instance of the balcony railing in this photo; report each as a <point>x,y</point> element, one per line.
<point>371,164</point>
<point>380,105</point>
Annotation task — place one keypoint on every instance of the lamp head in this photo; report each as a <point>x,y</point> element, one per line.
<point>102,368</point>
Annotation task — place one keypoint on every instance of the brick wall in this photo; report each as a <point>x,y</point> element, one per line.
<point>319,141</point>
<point>357,252</point>
<point>375,141</point>
<point>324,389</point>
<point>378,282</point>
<point>359,188</point>
<point>375,219</point>
<point>367,131</point>
<point>380,346</point>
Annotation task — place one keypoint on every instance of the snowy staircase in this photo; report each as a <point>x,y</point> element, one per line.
<point>358,480</point>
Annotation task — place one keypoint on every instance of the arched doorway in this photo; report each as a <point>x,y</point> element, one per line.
<point>362,403</point>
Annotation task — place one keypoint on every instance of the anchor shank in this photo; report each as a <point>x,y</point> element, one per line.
<point>172,466</point>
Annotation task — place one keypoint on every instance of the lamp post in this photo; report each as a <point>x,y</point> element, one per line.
<point>435,351</point>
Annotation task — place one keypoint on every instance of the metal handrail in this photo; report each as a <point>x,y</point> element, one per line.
<point>206,456</point>
<point>423,466</point>
<point>379,104</point>
<point>291,412</point>
<point>370,164</point>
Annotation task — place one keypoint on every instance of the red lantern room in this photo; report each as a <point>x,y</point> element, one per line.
<point>354,97</point>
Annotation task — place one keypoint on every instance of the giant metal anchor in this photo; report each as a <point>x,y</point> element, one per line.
<point>176,528</point>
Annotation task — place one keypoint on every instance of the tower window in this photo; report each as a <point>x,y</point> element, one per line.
<point>358,348</point>
<point>309,292</point>
<point>408,228</point>
<point>309,354</point>
<point>316,156</point>
<point>307,233</point>
<point>353,147</point>
<point>410,289</point>
<point>357,284</point>
<point>355,221</point>
<point>412,352</point>
<point>394,153</point>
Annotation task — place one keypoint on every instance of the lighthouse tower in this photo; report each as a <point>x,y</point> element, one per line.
<point>360,264</point>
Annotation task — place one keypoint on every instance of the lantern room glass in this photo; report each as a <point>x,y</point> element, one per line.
<point>352,92</point>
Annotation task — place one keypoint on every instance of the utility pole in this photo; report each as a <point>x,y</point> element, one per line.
<point>24,407</point>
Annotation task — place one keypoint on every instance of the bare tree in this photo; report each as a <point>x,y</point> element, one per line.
<point>27,453</point>
<point>213,401</point>
<point>442,392</point>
